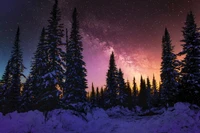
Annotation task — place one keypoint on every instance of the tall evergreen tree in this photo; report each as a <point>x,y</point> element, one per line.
<point>122,94</point>
<point>101,103</point>
<point>6,82</point>
<point>169,73</point>
<point>149,98</point>
<point>54,72</point>
<point>33,88</point>
<point>97,97</point>
<point>191,63</point>
<point>92,96</point>
<point>76,83</point>
<point>155,99</point>
<point>111,82</point>
<point>154,86</point>
<point>128,96</point>
<point>14,73</point>
<point>135,93</point>
<point>142,97</point>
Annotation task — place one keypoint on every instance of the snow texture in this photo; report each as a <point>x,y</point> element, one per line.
<point>182,118</point>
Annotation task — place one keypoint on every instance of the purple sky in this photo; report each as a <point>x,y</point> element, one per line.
<point>131,28</point>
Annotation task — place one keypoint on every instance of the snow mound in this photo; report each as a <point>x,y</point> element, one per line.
<point>181,106</point>
<point>178,119</point>
<point>119,112</point>
<point>97,113</point>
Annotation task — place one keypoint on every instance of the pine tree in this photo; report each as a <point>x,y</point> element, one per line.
<point>33,88</point>
<point>160,91</point>
<point>169,73</point>
<point>122,94</point>
<point>135,93</point>
<point>76,83</point>
<point>149,98</point>
<point>128,96</point>
<point>13,74</point>
<point>155,99</point>
<point>54,72</point>
<point>111,82</point>
<point>6,78</point>
<point>97,97</point>
<point>191,63</point>
<point>142,97</point>
<point>6,82</point>
<point>92,96</point>
<point>101,103</point>
<point>154,86</point>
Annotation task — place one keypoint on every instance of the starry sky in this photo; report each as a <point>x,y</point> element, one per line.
<point>133,29</point>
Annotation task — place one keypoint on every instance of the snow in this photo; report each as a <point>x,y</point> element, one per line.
<point>182,118</point>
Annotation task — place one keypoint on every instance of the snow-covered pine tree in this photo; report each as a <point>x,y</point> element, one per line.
<point>142,97</point>
<point>190,82</point>
<point>75,83</point>
<point>33,88</point>
<point>6,82</point>
<point>15,69</point>
<point>169,73</point>
<point>54,72</point>
<point>122,95</point>
<point>135,93</point>
<point>111,83</point>
<point>27,99</point>
<point>6,78</point>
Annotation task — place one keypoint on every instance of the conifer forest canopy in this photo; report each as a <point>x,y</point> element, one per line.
<point>133,29</point>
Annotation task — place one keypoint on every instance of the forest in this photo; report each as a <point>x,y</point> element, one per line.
<point>57,78</point>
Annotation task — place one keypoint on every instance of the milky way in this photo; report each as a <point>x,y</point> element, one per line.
<point>131,28</point>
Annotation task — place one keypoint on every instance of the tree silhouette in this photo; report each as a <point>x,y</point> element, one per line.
<point>111,81</point>
<point>169,73</point>
<point>76,83</point>
<point>191,63</point>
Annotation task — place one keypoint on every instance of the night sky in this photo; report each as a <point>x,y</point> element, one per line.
<point>133,29</point>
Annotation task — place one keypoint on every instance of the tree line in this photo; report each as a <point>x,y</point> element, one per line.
<point>57,78</point>
<point>123,94</point>
<point>180,79</point>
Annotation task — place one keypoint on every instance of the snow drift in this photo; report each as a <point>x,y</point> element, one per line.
<point>182,118</point>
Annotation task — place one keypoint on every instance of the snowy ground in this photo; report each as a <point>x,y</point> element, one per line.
<point>182,118</point>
